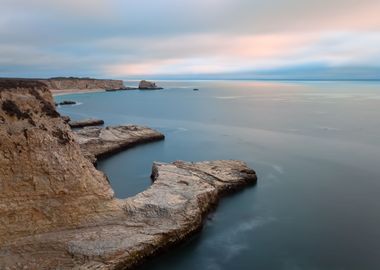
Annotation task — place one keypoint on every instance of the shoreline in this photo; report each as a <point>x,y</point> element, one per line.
<point>57,93</point>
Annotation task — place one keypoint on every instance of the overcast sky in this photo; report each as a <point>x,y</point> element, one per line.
<point>163,38</point>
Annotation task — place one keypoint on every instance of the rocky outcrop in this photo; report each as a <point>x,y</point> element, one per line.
<point>82,83</point>
<point>86,123</point>
<point>97,142</point>
<point>146,85</point>
<point>58,212</point>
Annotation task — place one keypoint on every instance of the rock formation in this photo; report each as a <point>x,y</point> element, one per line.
<point>97,142</point>
<point>146,85</point>
<point>58,212</point>
<point>86,123</point>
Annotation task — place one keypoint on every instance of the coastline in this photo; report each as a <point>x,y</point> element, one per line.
<point>87,227</point>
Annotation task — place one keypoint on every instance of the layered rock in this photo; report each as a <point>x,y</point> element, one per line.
<point>58,212</point>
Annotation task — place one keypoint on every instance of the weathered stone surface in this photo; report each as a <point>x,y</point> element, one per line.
<point>58,212</point>
<point>146,85</point>
<point>97,142</point>
<point>86,123</point>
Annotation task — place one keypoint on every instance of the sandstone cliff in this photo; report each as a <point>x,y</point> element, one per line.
<point>45,182</point>
<point>58,212</point>
<point>82,83</point>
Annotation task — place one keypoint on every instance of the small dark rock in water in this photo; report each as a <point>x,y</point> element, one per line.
<point>86,123</point>
<point>67,102</point>
<point>126,88</point>
<point>146,85</point>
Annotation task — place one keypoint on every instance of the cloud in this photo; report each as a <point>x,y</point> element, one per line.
<point>134,38</point>
<point>219,54</point>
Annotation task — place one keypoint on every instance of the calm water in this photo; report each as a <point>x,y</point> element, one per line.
<point>314,145</point>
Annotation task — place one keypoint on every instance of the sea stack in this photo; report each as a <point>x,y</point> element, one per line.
<point>147,85</point>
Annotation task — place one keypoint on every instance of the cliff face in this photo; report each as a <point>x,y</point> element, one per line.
<point>45,182</point>
<point>82,84</point>
<point>58,212</point>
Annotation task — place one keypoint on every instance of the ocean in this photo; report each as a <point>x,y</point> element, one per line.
<point>315,146</point>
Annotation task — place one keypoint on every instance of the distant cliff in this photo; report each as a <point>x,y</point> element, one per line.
<point>63,83</point>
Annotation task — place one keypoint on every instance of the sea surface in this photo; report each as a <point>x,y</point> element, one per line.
<point>315,147</point>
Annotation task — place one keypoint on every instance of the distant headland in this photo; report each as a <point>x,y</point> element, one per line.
<point>67,85</point>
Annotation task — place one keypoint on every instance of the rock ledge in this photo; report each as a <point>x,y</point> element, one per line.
<point>98,142</point>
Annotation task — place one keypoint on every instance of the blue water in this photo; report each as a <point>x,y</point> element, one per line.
<point>314,145</point>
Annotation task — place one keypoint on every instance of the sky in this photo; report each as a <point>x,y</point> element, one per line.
<point>190,39</point>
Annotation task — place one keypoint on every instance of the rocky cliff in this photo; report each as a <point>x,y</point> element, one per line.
<point>82,83</point>
<point>58,212</point>
<point>45,182</point>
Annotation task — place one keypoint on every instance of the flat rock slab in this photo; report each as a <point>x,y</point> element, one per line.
<point>86,123</point>
<point>98,142</point>
<point>167,213</point>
